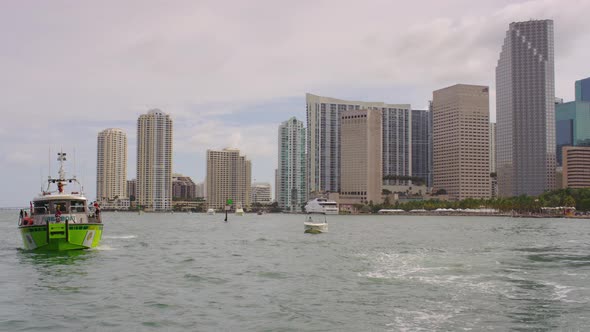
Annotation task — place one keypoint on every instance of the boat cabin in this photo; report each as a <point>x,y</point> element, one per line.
<point>64,206</point>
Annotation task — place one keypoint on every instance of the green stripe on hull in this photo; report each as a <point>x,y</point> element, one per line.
<point>78,236</point>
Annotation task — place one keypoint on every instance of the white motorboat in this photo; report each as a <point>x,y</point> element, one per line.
<point>211,212</point>
<point>239,211</point>
<point>315,224</point>
<point>321,205</point>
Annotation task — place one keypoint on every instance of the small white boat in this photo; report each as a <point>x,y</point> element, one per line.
<point>239,211</point>
<point>315,224</point>
<point>211,212</point>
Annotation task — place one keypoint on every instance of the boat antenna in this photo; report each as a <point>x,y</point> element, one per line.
<point>74,175</point>
<point>49,161</point>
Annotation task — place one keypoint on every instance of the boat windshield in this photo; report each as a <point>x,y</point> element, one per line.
<point>66,206</point>
<point>41,207</point>
<point>60,206</point>
<point>77,206</point>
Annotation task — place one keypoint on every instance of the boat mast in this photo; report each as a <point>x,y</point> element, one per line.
<point>61,157</point>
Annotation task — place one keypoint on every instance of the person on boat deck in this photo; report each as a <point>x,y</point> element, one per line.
<point>21,214</point>
<point>58,215</point>
<point>96,210</point>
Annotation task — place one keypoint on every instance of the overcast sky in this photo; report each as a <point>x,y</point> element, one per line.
<point>228,72</point>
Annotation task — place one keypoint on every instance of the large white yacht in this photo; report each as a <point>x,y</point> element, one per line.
<point>321,205</point>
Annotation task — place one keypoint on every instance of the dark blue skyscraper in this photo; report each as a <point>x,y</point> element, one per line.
<point>422,145</point>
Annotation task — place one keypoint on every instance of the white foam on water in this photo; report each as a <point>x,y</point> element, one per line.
<point>419,320</point>
<point>411,267</point>
<point>561,292</point>
<point>104,247</point>
<point>120,237</point>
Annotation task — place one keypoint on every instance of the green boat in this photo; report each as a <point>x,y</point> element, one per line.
<point>59,221</point>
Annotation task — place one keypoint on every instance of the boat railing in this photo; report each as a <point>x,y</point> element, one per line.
<point>93,218</point>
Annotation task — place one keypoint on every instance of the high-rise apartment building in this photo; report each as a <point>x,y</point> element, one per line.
<point>324,146</point>
<point>461,131</point>
<point>154,161</point>
<point>361,156</point>
<point>261,193</point>
<point>422,146</point>
<point>576,167</point>
<point>228,177</point>
<point>111,165</point>
<point>572,120</point>
<point>525,103</point>
<point>291,173</point>
<point>183,187</point>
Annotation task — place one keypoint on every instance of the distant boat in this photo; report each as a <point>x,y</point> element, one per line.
<point>315,224</point>
<point>239,211</point>
<point>211,212</point>
<point>259,213</point>
<point>321,205</point>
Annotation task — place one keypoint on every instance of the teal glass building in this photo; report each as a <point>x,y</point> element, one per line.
<point>572,119</point>
<point>583,90</point>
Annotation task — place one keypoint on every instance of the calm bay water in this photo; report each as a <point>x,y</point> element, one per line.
<point>179,272</point>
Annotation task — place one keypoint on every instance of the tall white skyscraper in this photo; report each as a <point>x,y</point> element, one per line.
<point>111,165</point>
<point>291,181</point>
<point>154,161</point>
<point>525,103</point>
<point>323,140</point>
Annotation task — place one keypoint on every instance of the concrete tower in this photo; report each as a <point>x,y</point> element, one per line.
<point>154,161</point>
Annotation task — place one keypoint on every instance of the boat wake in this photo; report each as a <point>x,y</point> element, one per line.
<point>104,247</point>
<point>124,237</point>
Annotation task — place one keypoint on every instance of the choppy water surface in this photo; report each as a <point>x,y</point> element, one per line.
<point>179,272</point>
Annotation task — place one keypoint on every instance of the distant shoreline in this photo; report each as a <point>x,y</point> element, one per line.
<point>424,214</point>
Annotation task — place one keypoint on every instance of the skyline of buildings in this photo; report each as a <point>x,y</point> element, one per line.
<point>154,161</point>
<point>444,145</point>
<point>461,130</point>
<point>525,110</point>
<point>323,140</point>
<point>111,165</point>
<point>291,180</point>
<point>573,119</point>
